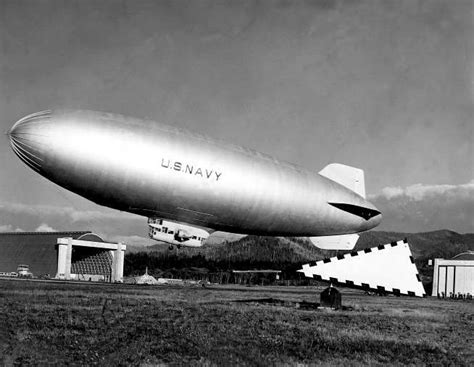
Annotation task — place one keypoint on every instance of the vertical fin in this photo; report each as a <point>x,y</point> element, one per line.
<point>350,177</point>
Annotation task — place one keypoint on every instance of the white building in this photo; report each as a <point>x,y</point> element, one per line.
<point>454,276</point>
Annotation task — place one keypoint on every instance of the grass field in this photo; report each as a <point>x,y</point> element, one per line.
<point>85,324</point>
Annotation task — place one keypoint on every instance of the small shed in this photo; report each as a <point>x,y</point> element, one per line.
<point>331,297</point>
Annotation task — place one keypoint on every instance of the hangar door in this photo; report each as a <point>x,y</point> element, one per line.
<point>464,282</point>
<point>455,279</point>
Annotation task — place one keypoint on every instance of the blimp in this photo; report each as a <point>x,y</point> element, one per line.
<point>188,185</point>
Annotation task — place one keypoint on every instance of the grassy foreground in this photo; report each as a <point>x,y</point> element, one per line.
<point>83,324</point>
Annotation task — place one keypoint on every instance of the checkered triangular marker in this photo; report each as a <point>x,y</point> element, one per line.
<point>389,268</point>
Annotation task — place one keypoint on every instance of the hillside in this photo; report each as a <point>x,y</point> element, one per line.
<point>214,261</point>
<point>250,252</point>
<point>426,245</point>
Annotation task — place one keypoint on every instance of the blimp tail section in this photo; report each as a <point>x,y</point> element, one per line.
<point>353,179</point>
<point>350,177</point>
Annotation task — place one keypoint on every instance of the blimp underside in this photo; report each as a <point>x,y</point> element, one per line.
<point>189,182</point>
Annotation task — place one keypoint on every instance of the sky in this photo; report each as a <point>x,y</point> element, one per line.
<point>386,86</point>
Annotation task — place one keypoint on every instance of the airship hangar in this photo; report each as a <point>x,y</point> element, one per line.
<point>70,255</point>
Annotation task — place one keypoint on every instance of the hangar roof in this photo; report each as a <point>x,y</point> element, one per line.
<point>468,255</point>
<point>36,249</point>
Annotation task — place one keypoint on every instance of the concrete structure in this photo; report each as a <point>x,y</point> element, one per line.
<point>113,270</point>
<point>79,255</point>
<point>454,276</point>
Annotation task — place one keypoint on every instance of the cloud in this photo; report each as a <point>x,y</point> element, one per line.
<point>420,192</point>
<point>73,214</point>
<point>9,228</point>
<point>391,192</point>
<point>103,221</point>
<point>43,227</point>
<point>422,207</point>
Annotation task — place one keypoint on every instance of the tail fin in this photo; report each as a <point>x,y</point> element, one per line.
<point>350,177</point>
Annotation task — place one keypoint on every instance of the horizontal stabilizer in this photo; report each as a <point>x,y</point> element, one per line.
<point>342,242</point>
<point>350,177</point>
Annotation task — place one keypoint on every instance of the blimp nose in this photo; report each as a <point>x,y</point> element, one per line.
<point>27,139</point>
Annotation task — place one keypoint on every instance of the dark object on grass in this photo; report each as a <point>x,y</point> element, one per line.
<point>282,303</point>
<point>308,305</point>
<point>331,297</point>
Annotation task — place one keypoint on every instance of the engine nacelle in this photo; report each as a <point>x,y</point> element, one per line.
<point>176,233</point>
